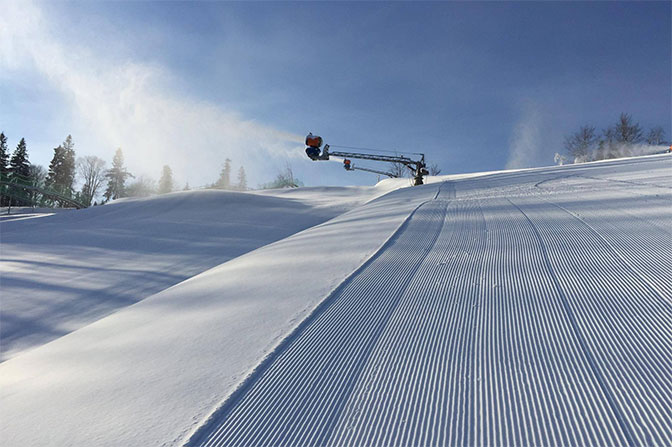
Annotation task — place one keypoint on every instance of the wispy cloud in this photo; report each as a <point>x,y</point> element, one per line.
<point>134,105</point>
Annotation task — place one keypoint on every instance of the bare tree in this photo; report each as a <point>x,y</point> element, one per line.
<point>284,179</point>
<point>656,136</point>
<point>37,176</point>
<point>581,144</point>
<point>625,131</point>
<point>91,169</point>
<point>399,170</point>
<point>620,138</point>
<point>434,169</point>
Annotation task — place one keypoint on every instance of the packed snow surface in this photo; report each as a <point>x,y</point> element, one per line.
<point>529,307</point>
<point>62,271</point>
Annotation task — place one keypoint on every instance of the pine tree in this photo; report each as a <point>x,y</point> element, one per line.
<point>4,154</point>
<point>166,181</point>
<point>224,181</point>
<point>62,168</point>
<point>242,179</point>
<point>116,177</point>
<point>186,187</point>
<point>69,165</point>
<point>19,168</point>
<point>19,164</point>
<point>4,168</point>
<point>55,176</point>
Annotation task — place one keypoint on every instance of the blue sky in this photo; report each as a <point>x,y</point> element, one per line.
<point>473,85</point>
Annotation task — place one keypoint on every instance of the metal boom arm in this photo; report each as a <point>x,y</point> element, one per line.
<point>351,167</point>
<point>418,167</point>
<point>389,158</point>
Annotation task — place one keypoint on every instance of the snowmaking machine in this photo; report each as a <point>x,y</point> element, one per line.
<point>316,152</point>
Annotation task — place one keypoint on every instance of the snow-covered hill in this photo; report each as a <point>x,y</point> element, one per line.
<point>528,307</point>
<point>67,270</point>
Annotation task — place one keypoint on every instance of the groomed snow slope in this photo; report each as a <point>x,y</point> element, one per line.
<point>521,308</point>
<point>61,272</point>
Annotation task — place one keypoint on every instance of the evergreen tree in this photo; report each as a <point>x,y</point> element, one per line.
<point>61,177</point>
<point>55,175</point>
<point>224,181</point>
<point>116,177</point>
<point>19,168</point>
<point>4,168</point>
<point>242,179</point>
<point>186,187</point>
<point>69,166</point>
<point>166,181</point>
<point>19,164</point>
<point>4,154</point>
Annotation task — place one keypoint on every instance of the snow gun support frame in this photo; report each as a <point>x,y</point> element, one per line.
<point>351,167</point>
<point>417,167</point>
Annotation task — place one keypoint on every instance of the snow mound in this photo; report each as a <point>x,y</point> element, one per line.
<point>62,271</point>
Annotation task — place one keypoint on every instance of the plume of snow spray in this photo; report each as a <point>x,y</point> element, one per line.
<point>525,141</point>
<point>620,150</point>
<point>136,106</point>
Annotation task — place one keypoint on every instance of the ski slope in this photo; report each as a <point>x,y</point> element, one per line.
<point>528,307</point>
<point>62,271</point>
<point>531,317</point>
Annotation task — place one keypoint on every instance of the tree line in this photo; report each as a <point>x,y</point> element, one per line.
<point>624,138</point>
<point>61,176</point>
<point>97,181</point>
<point>225,182</point>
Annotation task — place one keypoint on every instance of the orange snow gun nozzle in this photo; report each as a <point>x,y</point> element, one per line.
<point>313,140</point>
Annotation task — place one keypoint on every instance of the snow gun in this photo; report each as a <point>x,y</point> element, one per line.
<point>316,152</point>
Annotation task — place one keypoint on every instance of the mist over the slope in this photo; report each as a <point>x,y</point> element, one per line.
<point>136,106</point>
<point>619,150</point>
<point>524,145</point>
